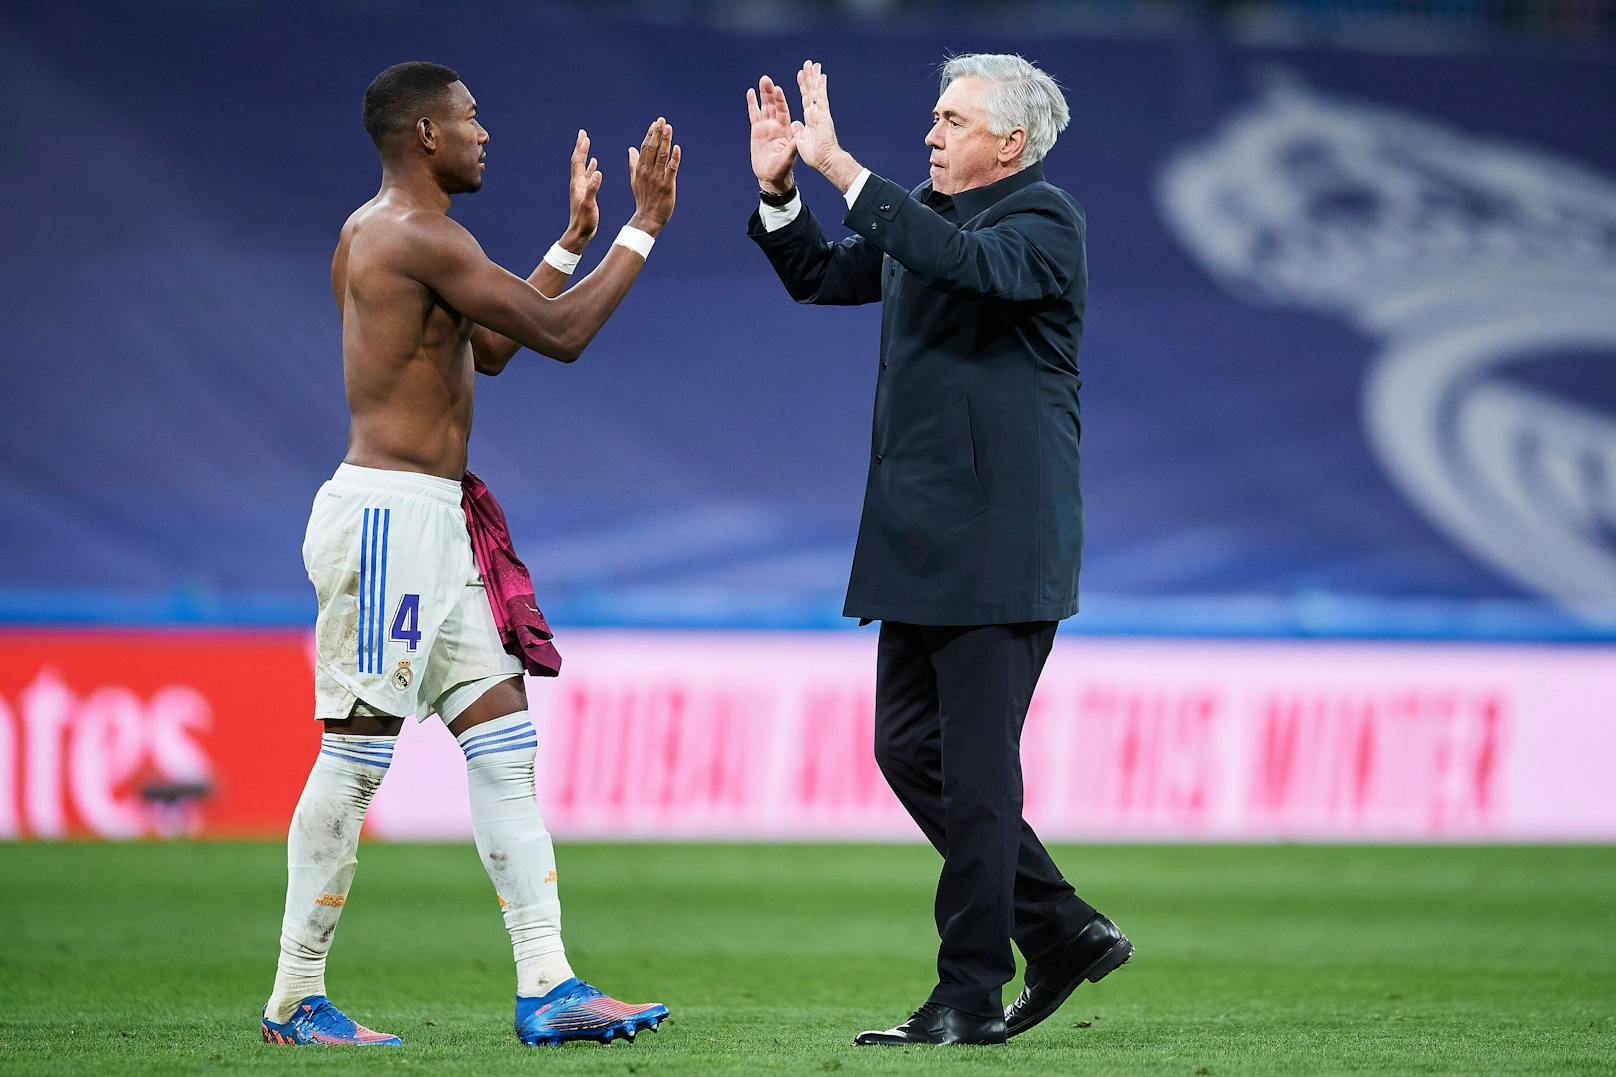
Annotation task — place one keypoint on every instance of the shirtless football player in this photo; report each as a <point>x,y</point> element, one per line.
<point>423,606</point>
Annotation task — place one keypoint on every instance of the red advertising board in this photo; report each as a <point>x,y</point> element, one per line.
<point>768,736</point>
<point>124,734</point>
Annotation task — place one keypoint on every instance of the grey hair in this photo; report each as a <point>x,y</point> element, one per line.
<point>1020,94</point>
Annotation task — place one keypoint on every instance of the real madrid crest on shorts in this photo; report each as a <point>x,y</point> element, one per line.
<point>403,675</point>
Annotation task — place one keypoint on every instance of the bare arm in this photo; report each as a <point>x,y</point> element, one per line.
<point>549,280</point>
<point>444,256</point>
<point>492,351</point>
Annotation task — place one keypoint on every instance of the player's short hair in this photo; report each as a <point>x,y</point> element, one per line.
<point>1020,94</point>
<point>402,94</point>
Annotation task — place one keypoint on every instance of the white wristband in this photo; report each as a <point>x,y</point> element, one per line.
<point>635,240</point>
<point>562,259</point>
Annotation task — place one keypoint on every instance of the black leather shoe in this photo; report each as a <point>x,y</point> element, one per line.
<point>1094,952</point>
<point>936,1024</point>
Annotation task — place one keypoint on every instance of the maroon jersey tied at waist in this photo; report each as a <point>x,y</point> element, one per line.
<point>522,628</point>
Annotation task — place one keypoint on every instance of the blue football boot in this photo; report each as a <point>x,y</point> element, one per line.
<point>317,1021</point>
<point>577,1011</point>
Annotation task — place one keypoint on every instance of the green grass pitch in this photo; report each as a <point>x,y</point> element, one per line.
<point>1252,959</point>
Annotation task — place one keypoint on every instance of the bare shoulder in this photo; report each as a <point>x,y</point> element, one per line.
<point>418,243</point>
<point>418,229</point>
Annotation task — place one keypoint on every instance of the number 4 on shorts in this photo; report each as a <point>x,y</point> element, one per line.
<point>407,621</point>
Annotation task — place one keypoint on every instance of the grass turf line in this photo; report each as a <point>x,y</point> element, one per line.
<point>154,958</point>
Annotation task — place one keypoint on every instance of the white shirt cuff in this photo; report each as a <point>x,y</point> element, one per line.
<point>777,217</point>
<point>858,185</point>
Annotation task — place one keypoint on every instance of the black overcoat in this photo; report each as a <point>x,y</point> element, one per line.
<point>972,507</point>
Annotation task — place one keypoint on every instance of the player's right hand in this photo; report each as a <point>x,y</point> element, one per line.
<point>652,171</point>
<point>584,185</point>
<point>773,148</point>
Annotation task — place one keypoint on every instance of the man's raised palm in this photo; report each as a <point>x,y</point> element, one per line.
<point>773,149</point>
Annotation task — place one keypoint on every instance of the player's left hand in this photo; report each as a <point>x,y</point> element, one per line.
<point>581,191</point>
<point>815,133</point>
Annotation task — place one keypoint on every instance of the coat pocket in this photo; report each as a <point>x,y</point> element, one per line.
<point>968,446</point>
<point>939,484</point>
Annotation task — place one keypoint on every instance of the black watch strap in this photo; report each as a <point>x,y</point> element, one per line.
<point>778,200</point>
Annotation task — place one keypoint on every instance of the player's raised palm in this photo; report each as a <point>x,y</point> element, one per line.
<point>653,169</point>
<point>773,148</point>
<point>581,191</point>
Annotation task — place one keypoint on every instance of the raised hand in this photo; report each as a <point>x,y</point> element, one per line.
<point>773,149</point>
<point>815,134</point>
<point>652,169</point>
<point>584,218</point>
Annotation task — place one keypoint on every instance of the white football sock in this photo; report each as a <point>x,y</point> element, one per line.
<point>516,848</point>
<point>320,859</point>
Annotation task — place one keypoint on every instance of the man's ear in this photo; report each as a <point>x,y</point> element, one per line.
<point>427,133</point>
<point>1012,145</point>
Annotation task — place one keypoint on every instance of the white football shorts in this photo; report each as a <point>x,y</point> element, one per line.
<point>404,617</point>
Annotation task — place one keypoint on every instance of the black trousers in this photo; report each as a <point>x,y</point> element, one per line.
<point>949,706</point>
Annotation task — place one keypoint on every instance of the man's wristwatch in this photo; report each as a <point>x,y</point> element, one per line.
<point>778,200</point>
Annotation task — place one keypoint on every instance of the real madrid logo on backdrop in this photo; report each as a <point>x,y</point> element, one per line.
<point>1483,266</point>
<point>403,675</point>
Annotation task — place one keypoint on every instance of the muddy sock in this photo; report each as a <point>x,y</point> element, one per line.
<point>515,847</point>
<point>320,859</point>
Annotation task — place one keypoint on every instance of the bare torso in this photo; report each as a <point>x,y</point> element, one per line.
<point>407,360</point>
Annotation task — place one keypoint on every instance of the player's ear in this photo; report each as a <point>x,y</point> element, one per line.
<point>427,133</point>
